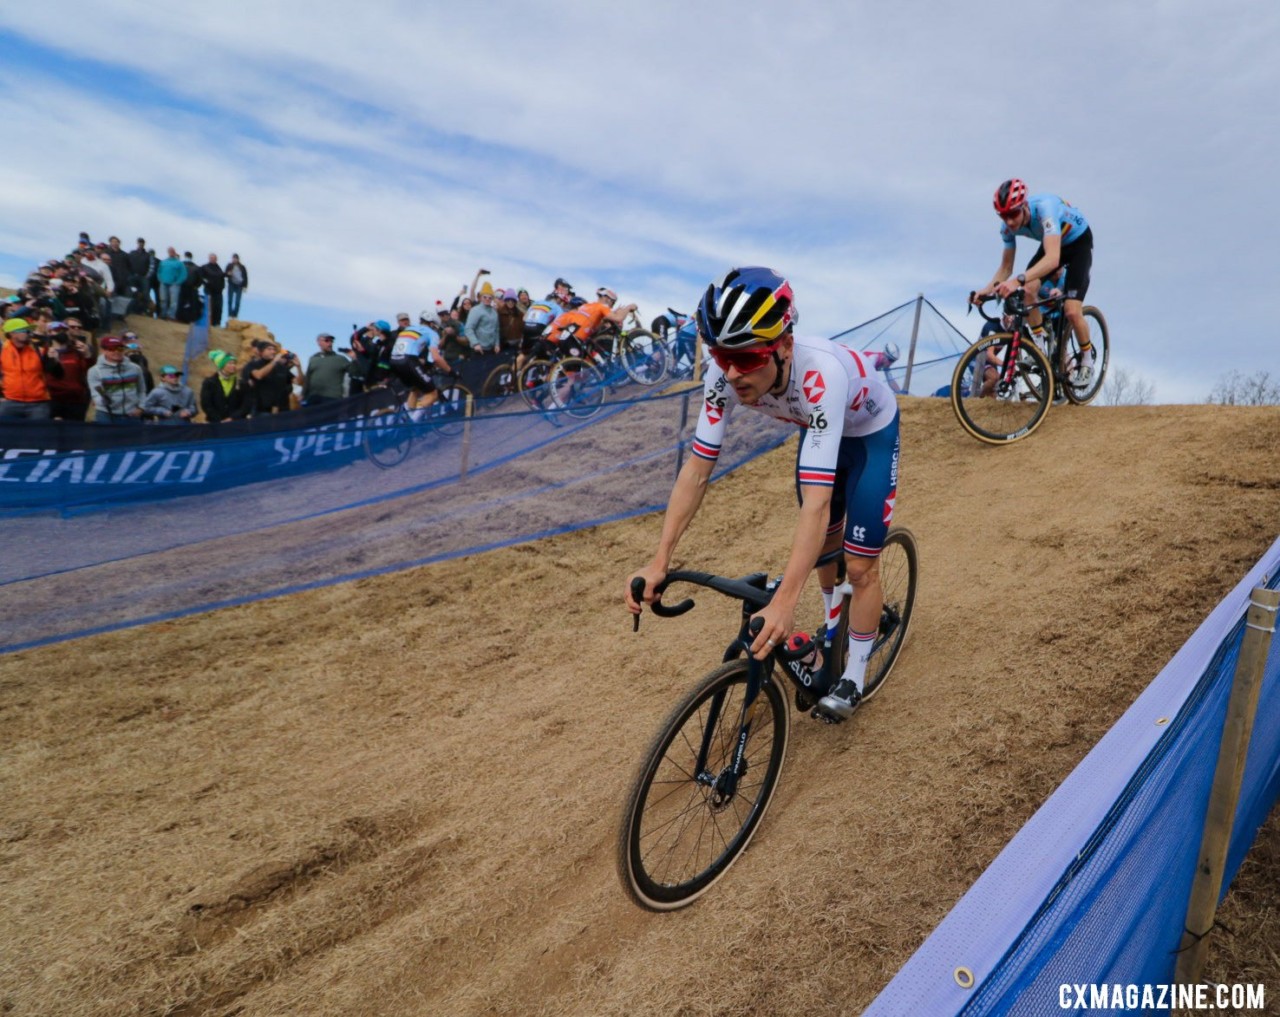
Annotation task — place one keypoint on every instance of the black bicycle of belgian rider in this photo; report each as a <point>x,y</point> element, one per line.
<point>1004,384</point>
<point>711,772</point>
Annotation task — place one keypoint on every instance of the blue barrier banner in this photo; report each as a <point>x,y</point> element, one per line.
<point>1094,888</point>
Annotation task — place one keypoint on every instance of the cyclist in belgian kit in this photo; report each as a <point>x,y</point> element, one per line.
<point>1065,241</point>
<point>846,473</point>
<point>411,345</point>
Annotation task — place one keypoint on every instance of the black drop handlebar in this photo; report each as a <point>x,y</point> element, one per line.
<point>750,589</point>
<point>1015,304</point>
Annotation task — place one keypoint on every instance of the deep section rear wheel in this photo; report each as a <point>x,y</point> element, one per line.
<point>1001,388</point>
<point>1101,339</point>
<point>899,572</point>
<point>684,825</point>
<point>500,383</point>
<point>532,382</point>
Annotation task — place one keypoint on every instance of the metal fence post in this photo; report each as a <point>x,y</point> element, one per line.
<point>1220,815</point>
<point>911,353</point>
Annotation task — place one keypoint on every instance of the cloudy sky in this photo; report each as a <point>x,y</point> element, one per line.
<point>363,161</point>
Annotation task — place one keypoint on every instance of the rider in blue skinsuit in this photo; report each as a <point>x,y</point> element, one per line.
<point>1066,241</point>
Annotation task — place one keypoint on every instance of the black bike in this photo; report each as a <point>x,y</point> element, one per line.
<point>390,431</point>
<point>1004,383</point>
<point>710,774</point>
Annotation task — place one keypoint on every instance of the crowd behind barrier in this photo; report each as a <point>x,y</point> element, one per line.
<point>60,361</point>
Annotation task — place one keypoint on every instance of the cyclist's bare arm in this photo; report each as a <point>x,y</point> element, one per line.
<point>619,314</point>
<point>1043,268</point>
<point>811,533</point>
<point>682,506</point>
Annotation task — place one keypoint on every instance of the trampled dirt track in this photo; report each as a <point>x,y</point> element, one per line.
<point>400,796</point>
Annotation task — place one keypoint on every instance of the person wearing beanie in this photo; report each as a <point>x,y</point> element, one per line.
<point>170,402</point>
<point>510,320</point>
<point>24,395</point>
<point>223,396</point>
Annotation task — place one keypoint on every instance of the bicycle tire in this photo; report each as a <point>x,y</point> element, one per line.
<point>644,356</point>
<point>532,382</point>
<point>387,442</point>
<point>1082,395</point>
<point>577,387</point>
<point>498,384</point>
<point>449,413</point>
<point>899,575</point>
<point>678,821</point>
<point>1014,409</point>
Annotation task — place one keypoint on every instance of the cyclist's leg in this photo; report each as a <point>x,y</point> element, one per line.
<point>1078,257</point>
<point>871,486</point>
<point>826,567</point>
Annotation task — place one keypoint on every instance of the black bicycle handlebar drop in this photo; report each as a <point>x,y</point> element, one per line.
<point>1015,304</point>
<point>744,589</point>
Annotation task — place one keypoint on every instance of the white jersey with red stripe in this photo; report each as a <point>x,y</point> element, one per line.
<point>834,392</point>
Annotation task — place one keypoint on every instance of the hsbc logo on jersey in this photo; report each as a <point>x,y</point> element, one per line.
<point>888,506</point>
<point>814,387</point>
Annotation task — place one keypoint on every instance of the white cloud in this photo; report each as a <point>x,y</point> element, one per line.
<point>376,157</point>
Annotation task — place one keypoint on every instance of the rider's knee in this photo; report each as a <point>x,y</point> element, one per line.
<point>860,569</point>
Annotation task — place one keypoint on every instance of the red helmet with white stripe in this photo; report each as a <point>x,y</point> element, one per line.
<point>1010,196</point>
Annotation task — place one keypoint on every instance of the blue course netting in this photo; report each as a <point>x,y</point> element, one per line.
<point>938,345</point>
<point>335,513</point>
<point>1094,888</point>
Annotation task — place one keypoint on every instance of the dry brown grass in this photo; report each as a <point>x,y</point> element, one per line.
<point>400,796</point>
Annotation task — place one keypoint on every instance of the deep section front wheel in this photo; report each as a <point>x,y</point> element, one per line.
<point>899,571</point>
<point>388,437</point>
<point>449,412</point>
<point>644,356</point>
<point>1002,388</point>
<point>691,812</point>
<point>576,386</point>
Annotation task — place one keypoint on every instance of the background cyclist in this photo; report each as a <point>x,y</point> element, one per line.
<point>846,472</point>
<point>1066,241</point>
<point>412,345</point>
<point>539,316</point>
<point>583,322</point>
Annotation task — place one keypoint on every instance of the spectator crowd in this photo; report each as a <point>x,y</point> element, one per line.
<point>59,358</point>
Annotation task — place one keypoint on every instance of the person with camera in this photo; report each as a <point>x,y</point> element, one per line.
<point>269,377</point>
<point>171,402</point>
<point>69,394</point>
<point>24,394</point>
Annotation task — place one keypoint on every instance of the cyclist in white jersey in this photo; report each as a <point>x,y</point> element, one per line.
<point>846,471</point>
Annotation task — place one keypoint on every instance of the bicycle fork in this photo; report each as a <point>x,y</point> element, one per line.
<point>724,785</point>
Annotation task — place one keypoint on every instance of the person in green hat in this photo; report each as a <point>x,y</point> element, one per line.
<point>223,396</point>
<point>23,366</point>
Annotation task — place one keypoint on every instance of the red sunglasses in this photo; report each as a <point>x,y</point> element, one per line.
<point>747,361</point>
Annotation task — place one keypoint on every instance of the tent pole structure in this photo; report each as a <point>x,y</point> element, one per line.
<point>915,333</point>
